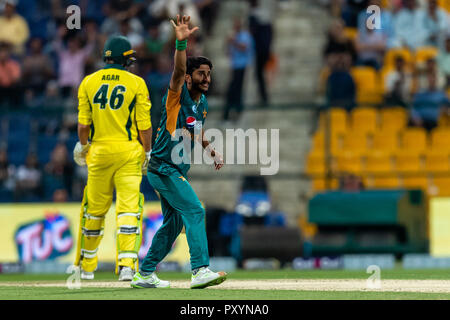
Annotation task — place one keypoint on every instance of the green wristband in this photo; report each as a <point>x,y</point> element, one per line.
<point>181,45</point>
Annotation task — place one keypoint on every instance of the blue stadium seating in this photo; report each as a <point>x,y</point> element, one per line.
<point>19,125</point>
<point>18,147</point>
<point>45,145</point>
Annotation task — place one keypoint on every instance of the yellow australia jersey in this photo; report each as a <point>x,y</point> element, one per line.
<point>115,103</point>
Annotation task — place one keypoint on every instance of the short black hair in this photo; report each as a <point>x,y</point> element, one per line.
<point>194,63</point>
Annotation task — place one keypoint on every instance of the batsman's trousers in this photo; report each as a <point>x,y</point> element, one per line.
<point>180,206</point>
<point>112,165</point>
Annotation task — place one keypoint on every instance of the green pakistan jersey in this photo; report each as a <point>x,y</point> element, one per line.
<point>179,112</point>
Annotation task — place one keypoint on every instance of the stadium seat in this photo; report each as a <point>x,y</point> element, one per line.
<point>379,162</point>
<point>315,163</point>
<point>386,4</point>
<point>71,142</point>
<point>408,161</point>
<point>356,142</point>
<point>387,141</point>
<point>414,139</point>
<point>348,162</point>
<point>420,181</point>
<point>445,5</point>
<point>351,33</point>
<point>338,120</point>
<point>390,182</point>
<point>444,119</point>
<point>364,119</point>
<point>368,90</point>
<point>19,124</point>
<point>440,139</point>
<point>45,145</point>
<point>425,53</point>
<point>393,119</point>
<point>391,54</point>
<point>320,184</point>
<point>440,186</point>
<point>18,148</point>
<point>319,142</point>
<point>437,161</point>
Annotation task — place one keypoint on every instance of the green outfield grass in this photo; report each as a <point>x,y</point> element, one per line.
<point>63,293</point>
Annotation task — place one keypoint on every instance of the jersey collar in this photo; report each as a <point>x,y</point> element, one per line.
<point>114,66</point>
<point>202,97</point>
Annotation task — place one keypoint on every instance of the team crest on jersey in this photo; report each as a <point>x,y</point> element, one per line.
<point>194,108</point>
<point>190,122</point>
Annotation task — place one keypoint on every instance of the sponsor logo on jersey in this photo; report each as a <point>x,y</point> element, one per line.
<point>190,122</point>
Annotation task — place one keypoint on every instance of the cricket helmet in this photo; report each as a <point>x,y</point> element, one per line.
<point>118,49</point>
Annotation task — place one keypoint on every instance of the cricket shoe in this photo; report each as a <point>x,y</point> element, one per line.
<point>150,281</point>
<point>126,274</point>
<point>85,275</point>
<point>205,278</point>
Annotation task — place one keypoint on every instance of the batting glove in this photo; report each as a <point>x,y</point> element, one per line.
<point>79,153</point>
<point>146,161</point>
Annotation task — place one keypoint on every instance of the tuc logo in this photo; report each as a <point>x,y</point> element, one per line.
<point>44,239</point>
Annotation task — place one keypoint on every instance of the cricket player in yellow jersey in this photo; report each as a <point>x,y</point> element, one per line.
<point>115,132</point>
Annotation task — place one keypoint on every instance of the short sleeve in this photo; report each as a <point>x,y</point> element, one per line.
<point>84,107</point>
<point>143,106</point>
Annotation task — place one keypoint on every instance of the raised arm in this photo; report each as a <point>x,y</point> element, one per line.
<point>182,33</point>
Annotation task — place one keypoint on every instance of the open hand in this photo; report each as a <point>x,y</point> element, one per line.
<point>182,31</point>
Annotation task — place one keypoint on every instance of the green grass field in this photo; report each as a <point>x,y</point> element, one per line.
<point>30,287</point>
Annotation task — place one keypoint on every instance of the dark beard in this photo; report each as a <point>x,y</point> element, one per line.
<point>196,87</point>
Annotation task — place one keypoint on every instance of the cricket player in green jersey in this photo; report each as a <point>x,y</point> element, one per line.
<point>185,110</point>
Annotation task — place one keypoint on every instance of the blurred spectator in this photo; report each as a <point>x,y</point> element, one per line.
<point>408,25</point>
<point>125,9</point>
<point>351,9</point>
<point>93,9</point>
<point>117,11</point>
<point>444,61</point>
<point>338,45</point>
<point>444,116</point>
<point>260,25</point>
<point>7,172</point>
<point>398,84</point>
<point>371,47</point>
<point>240,51</point>
<point>387,23</point>
<point>427,104</point>
<point>155,44</point>
<point>434,24</point>
<point>14,28</point>
<point>38,15</point>
<point>60,195</point>
<point>158,82</point>
<point>52,98</point>
<point>422,76</point>
<point>208,11</point>
<point>350,183</point>
<point>28,179</point>
<point>170,8</point>
<point>71,60</point>
<point>37,71</point>
<point>58,173</point>
<point>133,36</point>
<point>341,90</point>
<point>10,73</point>
<point>95,60</point>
